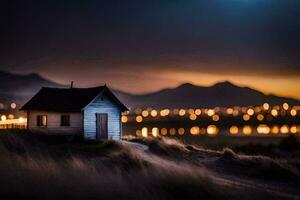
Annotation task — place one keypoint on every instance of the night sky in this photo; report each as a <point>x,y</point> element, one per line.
<point>141,46</point>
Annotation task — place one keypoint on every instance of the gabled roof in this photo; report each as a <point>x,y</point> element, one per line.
<point>68,99</point>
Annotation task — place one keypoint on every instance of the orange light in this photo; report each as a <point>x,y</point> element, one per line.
<point>181,131</point>
<point>145,132</point>
<point>234,130</point>
<point>284,129</point>
<point>124,119</point>
<point>172,131</point>
<point>247,130</point>
<point>195,130</point>
<point>260,117</point>
<point>182,112</point>
<point>155,132</point>
<point>250,111</point>
<point>139,119</point>
<point>285,106</point>
<point>215,118</point>
<point>145,113</point>
<point>266,106</point>
<point>246,117</point>
<point>212,130</point>
<point>153,113</point>
<point>193,117</point>
<point>198,112</point>
<point>164,131</point>
<point>274,112</point>
<point>13,105</point>
<point>210,112</point>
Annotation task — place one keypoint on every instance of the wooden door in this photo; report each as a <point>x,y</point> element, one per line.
<point>102,126</point>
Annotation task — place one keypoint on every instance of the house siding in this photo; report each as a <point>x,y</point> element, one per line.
<point>53,123</point>
<point>102,106</point>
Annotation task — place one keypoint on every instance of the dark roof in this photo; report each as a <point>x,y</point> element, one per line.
<point>68,99</point>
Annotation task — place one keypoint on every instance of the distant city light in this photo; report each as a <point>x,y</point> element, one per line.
<point>293,112</point>
<point>153,113</point>
<point>285,106</point>
<point>163,131</point>
<point>145,132</point>
<point>3,118</point>
<point>155,132</point>
<point>274,112</point>
<point>124,119</point>
<point>212,130</point>
<point>193,117</point>
<point>293,129</point>
<point>234,130</point>
<point>284,129</point>
<point>172,131</point>
<point>145,113</point>
<point>215,118</point>
<point>198,112</point>
<point>275,130</point>
<point>195,130</point>
<point>266,106</point>
<point>181,131</point>
<point>210,112</point>
<point>246,117</point>
<point>250,111</point>
<point>247,130</point>
<point>260,117</point>
<point>182,112</point>
<point>139,119</point>
<point>13,105</point>
<point>263,129</point>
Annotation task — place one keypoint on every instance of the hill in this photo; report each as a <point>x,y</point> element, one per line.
<point>21,88</point>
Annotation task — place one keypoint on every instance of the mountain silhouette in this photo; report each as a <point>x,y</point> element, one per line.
<point>21,88</point>
<point>223,94</point>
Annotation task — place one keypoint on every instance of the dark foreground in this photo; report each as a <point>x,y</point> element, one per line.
<point>53,168</point>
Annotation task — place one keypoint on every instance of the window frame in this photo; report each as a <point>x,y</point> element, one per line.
<point>39,121</point>
<point>65,120</point>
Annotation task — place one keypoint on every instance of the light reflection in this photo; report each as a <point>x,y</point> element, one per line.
<point>172,131</point>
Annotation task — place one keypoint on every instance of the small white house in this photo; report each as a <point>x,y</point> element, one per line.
<point>94,112</point>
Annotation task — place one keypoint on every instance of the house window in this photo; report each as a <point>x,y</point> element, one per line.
<point>41,120</point>
<point>65,120</point>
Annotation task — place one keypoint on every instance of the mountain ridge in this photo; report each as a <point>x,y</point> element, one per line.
<point>20,88</point>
